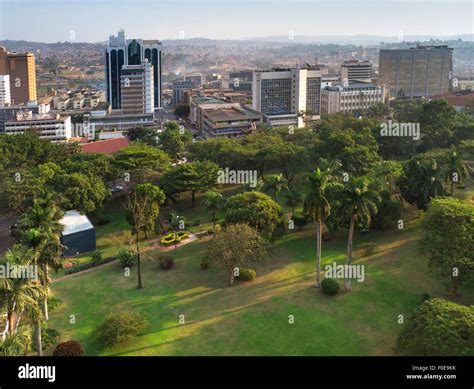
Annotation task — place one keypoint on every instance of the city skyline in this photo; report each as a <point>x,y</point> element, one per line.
<point>238,20</point>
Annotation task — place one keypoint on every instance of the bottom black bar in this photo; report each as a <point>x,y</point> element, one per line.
<point>222,372</point>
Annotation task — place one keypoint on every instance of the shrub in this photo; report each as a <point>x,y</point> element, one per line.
<point>96,257</point>
<point>126,258</point>
<point>330,286</point>
<point>120,327</point>
<point>166,262</point>
<point>205,263</point>
<point>53,302</point>
<point>247,274</point>
<point>71,348</point>
<point>49,337</point>
<point>425,296</point>
<point>368,247</point>
<point>88,265</point>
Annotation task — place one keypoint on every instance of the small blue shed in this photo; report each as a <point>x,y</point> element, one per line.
<point>78,234</point>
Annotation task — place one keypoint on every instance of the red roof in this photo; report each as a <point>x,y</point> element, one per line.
<point>106,146</point>
<point>455,98</point>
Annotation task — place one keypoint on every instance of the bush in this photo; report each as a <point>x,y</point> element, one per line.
<point>247,274</point>
<point>126,258</point>
<point>49,337</point>
<point>368,247</point>
<point>96,257</point>
<point>88,265</point>
<point>425,296</point>
<point>71,348</point>
<point>120,327</point>
<point>300,221</point>
<point>330,286</point>
<point>205,263</point>
<point>53,302</point>
<point>166,262</point>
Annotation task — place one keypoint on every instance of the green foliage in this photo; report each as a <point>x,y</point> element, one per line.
<point>174,139</point>
<point>120,327</point>
<point>254,208</point>
<point>330,286</point>
<point>447,241</point>
<point>49,336</point>
<point>88,265</point>
<point>53,302</point>
<point>437,120</point>
<point>247,274</point>
<point>127,258</point>
<point>389,212</point>
<point>147,135</point>
<point>96,257</point>
<point>71,348</point>
<point>438,328</point>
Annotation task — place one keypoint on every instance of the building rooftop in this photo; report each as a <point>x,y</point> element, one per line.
<point>208,100</point>
<point>230,113</point>
<point>74,222</point>
<point>106,146</point>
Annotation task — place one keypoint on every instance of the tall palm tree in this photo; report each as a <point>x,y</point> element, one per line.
<point>454,167</point>
<point>213,203</point>
<point>275,184</point>
<point>317,206</point>
<point>41,230</point>
<point>16,343</point>
<point>358,204</point>
<point>22,294</point>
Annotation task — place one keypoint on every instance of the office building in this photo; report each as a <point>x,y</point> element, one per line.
<point>8,113</point>
<point>52,127</point>
<point>137,95</point>
<point>125,52</point>
<point>354,98</point>
<point>283,94</point>
<point>217,117</point>
<point>356,71</point>
<point>5,97</point>
<point>416,72</point>
<point>179,89</point>
<point>21,70</point>
<point>195,79</point>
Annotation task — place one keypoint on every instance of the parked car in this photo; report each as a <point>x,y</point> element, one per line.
<point>116,189</point>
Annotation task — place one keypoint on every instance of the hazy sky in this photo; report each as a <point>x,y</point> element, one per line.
<point>95,20</point>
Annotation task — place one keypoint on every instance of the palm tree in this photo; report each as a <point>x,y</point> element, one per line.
<point>455,169</point>
<point>317,206</point>
<point>16,343</point>
<point>358,204</point>
<point>276,184</point>
<point>213,203</point>
<point>293,198</point>
<point>41,231</point>
<point>22,294</point>
<point>425,180</point>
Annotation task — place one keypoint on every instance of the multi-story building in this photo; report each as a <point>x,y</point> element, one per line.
<point>179,89</point>
<point>123,51</point>
<point>21,69</point>
<point>416,72</point>
<point>216,117</point>
<point>5,97</point>
<point>52,127</point>
<point>8,113</point>
<point>353,98</point>
<point>283,95</point>
<point>195,79</point>
<point>355,71</point>
<point>137,89</point>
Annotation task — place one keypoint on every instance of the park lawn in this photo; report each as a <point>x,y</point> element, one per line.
<point>253,318</point>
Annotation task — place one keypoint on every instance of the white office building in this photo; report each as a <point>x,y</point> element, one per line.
<point>282,95</point>
<point>137,95</point>
<point>5,96</point>
<point>353,98</point>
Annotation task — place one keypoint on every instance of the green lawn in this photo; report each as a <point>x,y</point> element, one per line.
<point>252,318</point>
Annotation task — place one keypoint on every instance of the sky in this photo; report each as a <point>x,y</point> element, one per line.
<point>95,20</point>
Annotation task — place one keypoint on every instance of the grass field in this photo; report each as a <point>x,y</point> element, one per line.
<point>253,318</point>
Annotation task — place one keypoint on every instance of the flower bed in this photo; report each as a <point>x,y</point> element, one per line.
<point>172,238</point>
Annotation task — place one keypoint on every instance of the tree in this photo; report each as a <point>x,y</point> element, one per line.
<point>236,246</point>
<point>141,161</point>
<point>41,230</point>
<point>255,209</point>
<point>146,135</point>
<point>16,343</point>
<point>293,198</point>
<point>285,156</point>
<point>389,212</point>
<point>275,184</point>
<point>358,204</point>
<point>378,111</point>
<point>437,119</point>
<point>193,176</point>
<point>213,203</point>
<point>420,182</point>
<point>316,205</point>
<point>446,241</point>
<point>143,200</point>
<point>174,139</point>
<point>454,168</point>
<point>438,328</point>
